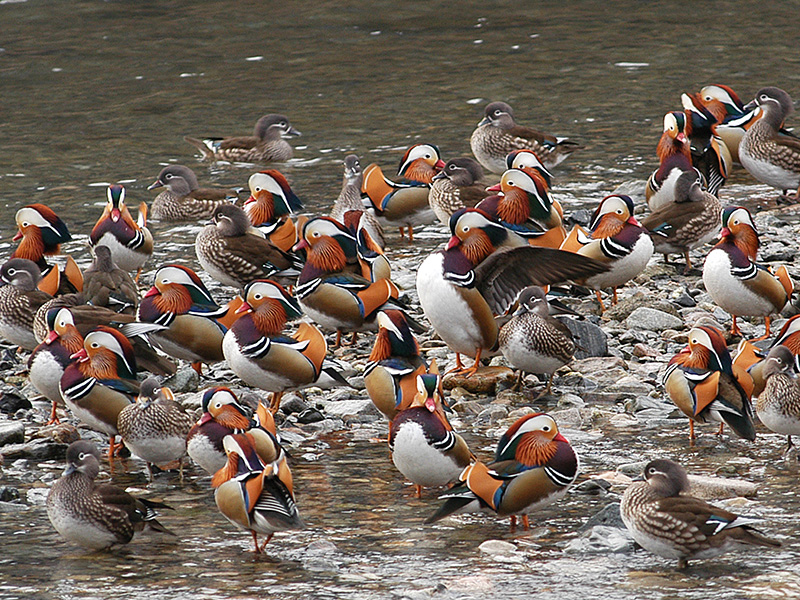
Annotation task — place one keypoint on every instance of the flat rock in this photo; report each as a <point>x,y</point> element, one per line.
<point>609,516</point>
<point>590,339</point>
<point>497,547</point>
<point>349,407</point>
<point>185,380</point>
<point>36,449</point>
<point>62,433</point>
<point>11,432</point>
<point>587,366</point>
<point>709,488</point>
<point>652,319</point>
<point>484,381</point>
<point>602,538</point>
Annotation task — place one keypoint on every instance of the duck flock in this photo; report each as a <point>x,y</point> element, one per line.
<point>492,289</point>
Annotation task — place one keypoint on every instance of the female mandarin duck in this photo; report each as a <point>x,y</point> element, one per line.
<point>265,145</point>
<point>404,204</point>
<point>617,240</point>
<point>131,243</point>
<point>96,515</point>
<point>479,274</point>
<point>270,206</point>
<point>778,406</point>
<point>674,158</point>
<point>769,155</point>
<point>738,285</point>
<point>533,467</point>
<point>258,350</point>
<point>101,382</point>
<point>184,199</point>
<point>234,254</point>
<point>106,285</point>
<point>665,520</point>
<point>181,303</point>
<point>690,221</point>
<point>710,155</point>
<point>497,134</point>
<point>19,301</point>
<point>533,341</point>
<point>49,359</point>
<point>753,359</point>
<point>525,207</point>
<point>334,289</point>
<point>255,495</point>
<point>424,447</point>
<point>350,199</point>
<point>458,185</point>
<point>155,427</point>
<point>390,376</point>
<point>706,386</point>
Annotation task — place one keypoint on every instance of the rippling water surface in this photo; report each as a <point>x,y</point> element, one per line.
<point>99,92</point>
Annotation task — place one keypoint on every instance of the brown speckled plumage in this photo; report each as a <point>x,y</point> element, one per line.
<point>19,301</point>
<point>778,406</point>
<point>265,145</point>
<point>105,284</point>
<point>457,186</point>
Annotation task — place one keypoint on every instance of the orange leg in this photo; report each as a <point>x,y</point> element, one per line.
<point>470,371</point>
<point>459,365</point>
<point>600,300</point>
<point>721,427</point>
<point>688,262</point>
<point>256,550</point>
<point>418,491</point>
<point>614,297</point>
<point>525,523</point>
<point>275,402</point>
<point>410,233</point>
<point>353,339</point>
<point>402,232</point>
<point>735,328</point>
<point>198,368</point>
<point>512,522</point>
<point>113,448</point>
<point>53,416</point>
<point>692,436</point>
<point>767,321</point>
<point>338,342</point>
<point>264,545</point>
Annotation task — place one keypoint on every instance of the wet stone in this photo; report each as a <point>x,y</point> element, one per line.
<point>185,380</point>
<point>350,407</point>
<point>36,449</point>
<point>293,404</point>
<point>593,487</point>
<point>310,415</point>
<point>11,432</point>
<point>608,516</point>
<point>652,319</point>
<point>9,494</point>
<point>484,381</point>
<point>590,339</point>
<point>62,433</point>
<point>11,400</point>
<point>602,538</point>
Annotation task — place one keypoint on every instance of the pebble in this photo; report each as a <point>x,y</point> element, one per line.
<point>11,432</point>
<point>185,380</point>
<point>350,407</point>
<point>602,538</point>
<point>483,381</point>
<point>652,320</point>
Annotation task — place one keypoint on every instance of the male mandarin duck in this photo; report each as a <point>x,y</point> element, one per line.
<point>234,254</point>
<point>350,199</point>
<point>390,376</point>
<point>533,341</point>
<point>497,134</point>
<point>333,287</point>
<point>424,446</point>
<point>665,520</point>
<point>688,222</point>
<point>262,355</point>
<point>96,515</point>
<point>753,359</point>
<point>155,427</point>
<point>705,385</point>
<point>778,405</point>
<point>458,185</point>
<point>181,303</point>
<point>527,161</point>
<point>710,155</point>
<point>255,495</point>
<point>265,145</point>
<point>40,233</point>
<point>270,206</point>
<point>183,199</point>
<point>105,284</point>
<point>525,207</point>
<point>617,240</point>
<point>371,257</point>
<point>130,242</point>
<point>49,359</point>
<point>737,119</point>
<point>101,382</point>
<point>19,301</point>
<point>674,158</point>
<point>735,282</point>
<point>533,467</point>
<point>479,274</point>
<point>420,163</point>
<point>222,415</point>
<point>769,155</point>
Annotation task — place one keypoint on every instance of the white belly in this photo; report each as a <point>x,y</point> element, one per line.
<point>166,450</point>
<point>418,461</point>
<point>778,421</point>
<point>767,172</point>
<point>126,259</point>
<point>626,268</point>
<point>249,371</point>
<point>728,292</point>
<point>203,452</point>
<point>45,374</point>
<point>77,530</point>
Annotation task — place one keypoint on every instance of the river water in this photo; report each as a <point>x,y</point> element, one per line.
<point>99,92</point>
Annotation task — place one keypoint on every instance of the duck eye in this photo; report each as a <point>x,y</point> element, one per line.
<point>25,223</point>
<point>81,456</point>
<point>95,345</point>
<point>257,296</point>
<point>12,271</point>
<point>546,428</point>
<point>497,112</point>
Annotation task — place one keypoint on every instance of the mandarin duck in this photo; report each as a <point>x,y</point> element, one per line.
<point>183,199</point>
<point>262,355</point>
<point>778,405</point>
<point>479,274</point>
<point>753,359</point>
<point>710,155</point>
<point>19,301</point>
<point>96,515</point>
<point>420,163</point>
<point>736,283</point>
<point>525,207</point>
<point>222,415</point>
<point>617,240</point>
<point>674,158</point>
<point>458,185</point>
<point>130,242</point>
<point>255,495</point>
<point>350,199</point>
<point>49,359</point>
<point>40,233</point>
<point>335,288</point>
<point>390,375</point>
<point>371,257</point>
<point>533,341</point>
<point>155,427</point>
<point>691,220</point>
<point>737,119</point>
<point>270,206</point>
<point>702,381</point>
<point>105,284</point>
<point>668,522</point>
<point>765,151</point>
<point>101,381</point>
<point>497,134</point>
<point>424,446</point>
<point>233,253</point>
<point>265,145</point>
<point>534,466</point>
<point>183,306</point>
<point>527,161</point>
